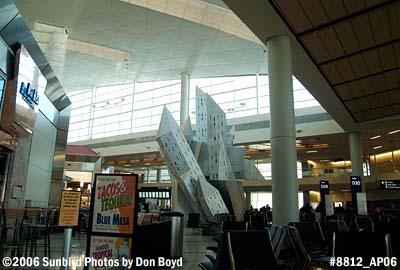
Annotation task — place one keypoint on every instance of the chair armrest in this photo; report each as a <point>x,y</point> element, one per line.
<point>206,265</point>
<point>215,249</point>
<point>212,258</point>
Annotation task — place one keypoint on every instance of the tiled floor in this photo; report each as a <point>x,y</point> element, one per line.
<point>194,250</point>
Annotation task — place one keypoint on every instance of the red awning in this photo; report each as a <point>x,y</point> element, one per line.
<point>80,150</point>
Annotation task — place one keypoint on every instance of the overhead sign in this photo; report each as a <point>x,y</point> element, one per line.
<point>389,184</point>
<point>69,208</point>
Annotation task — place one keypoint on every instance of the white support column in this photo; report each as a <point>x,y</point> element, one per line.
<point>185,88</point>
<point>356,156</point>
<point>248,200</point>
<point>53,42</point>
<point>283,135</point>
<point>178,199</point>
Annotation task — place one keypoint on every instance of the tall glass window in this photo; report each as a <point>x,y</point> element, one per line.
<point>81,105</point>
<point>122,109</point>
<point>260,199</point>
<point>264,166</point>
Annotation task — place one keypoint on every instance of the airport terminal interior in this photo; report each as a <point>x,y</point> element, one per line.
<point>199,134</point>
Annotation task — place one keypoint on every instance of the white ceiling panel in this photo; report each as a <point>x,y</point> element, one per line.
<point>160,46</point>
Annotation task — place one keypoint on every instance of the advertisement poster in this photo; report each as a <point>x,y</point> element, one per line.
<point>114,204</point>
<point>69,208</point>
<point>114,250</point>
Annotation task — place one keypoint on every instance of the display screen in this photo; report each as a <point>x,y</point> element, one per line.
<point>2,85</point>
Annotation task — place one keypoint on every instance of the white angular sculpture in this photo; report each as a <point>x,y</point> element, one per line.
<point>210,155</point>
<point>203,197</point>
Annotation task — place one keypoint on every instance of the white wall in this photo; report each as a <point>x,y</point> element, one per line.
<point>40,162</point>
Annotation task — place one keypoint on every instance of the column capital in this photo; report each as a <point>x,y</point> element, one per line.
<point>280,36</point>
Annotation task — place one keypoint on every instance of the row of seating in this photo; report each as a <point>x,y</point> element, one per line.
<point>295,246</point>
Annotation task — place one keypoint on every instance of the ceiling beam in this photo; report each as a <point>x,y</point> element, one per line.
<point>345,18</point>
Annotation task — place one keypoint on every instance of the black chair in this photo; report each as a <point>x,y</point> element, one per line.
<point>233,225</point>
<point>366,245</point>
<point>331,227</point>
<point>221,261</point>
<point>193,220</point>
<point>278,239</point>
<point>312,237</point>
<point>302,258</point>
<point>13,232</point>
<point>153,240</point>
<point>364,224</point>
<point>250,250</point>
<point>393,228</point>
<point>257,222</point>
<point>227,226</point>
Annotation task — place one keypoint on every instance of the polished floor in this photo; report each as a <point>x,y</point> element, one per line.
<point>194,250</point>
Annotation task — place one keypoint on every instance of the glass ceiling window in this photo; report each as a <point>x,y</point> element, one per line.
<point>123,109</point>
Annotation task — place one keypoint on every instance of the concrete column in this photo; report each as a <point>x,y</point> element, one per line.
<point>356,156</point>
<point>179,200</point>
<point>306,197</point>
<point>248,200</point>
<point>283,134</point>
<point>185,88</point>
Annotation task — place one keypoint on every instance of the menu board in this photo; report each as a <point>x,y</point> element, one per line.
<point>112,220</point>
<point>113,249</point>
<point>69,208</point>
<point>114,203</point>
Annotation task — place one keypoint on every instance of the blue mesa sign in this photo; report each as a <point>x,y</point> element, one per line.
<point>30,95</point>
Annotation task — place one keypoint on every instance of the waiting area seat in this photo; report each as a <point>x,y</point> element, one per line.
<point>366,245</point>
<point>312,237</point>
<point>250,250</point>
<point>275,235</point>
<point>364,224</point>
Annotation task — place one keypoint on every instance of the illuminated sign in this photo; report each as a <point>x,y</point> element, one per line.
<point>29,94</point>
<point>389,184</point>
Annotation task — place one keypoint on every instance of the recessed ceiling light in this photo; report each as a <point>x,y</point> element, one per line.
<point>126,165</point>
<point>324,160</point>
<point>375,137</point>
<point>312,151</point>
<point>377,147</point>
<point>394,131</point>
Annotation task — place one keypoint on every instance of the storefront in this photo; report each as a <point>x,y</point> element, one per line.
<point>34,118</point>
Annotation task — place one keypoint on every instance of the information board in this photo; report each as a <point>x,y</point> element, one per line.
<point>324,190</point>
<point>389,184</point>
<point>355,187</point>
<point>69,208</point>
